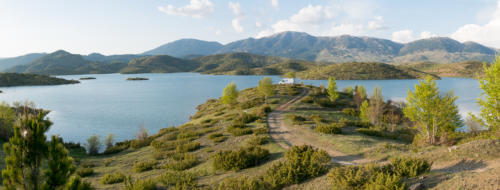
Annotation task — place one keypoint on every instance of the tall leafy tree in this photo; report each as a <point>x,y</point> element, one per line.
<point>490,99</point>
<point>359,95</point>
<point>364,111</point>
<point>377,104</point>
<point>230,94</point>
<point>332,89</point>
<point>266,87</point>
<point>28,149</point>
<point>434,115</point>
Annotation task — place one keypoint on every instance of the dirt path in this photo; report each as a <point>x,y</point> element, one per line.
<point>286,136</point>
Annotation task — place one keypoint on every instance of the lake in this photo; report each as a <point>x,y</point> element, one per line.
<point>110,104</point>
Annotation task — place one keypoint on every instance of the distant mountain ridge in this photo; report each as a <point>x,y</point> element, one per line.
<point>345,48</point>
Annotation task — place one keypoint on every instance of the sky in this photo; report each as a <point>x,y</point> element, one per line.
<point>135,26</point>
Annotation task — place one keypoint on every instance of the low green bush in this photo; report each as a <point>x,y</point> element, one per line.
<point>180,180</point>
<point>181,162</point>
<point>188,135</point>
<point>117,147</point>
<point>76,182</point>
<point>297,119</point>
<point>130,184</point>
<point>140,143</point>
<point>188,147</point>
<point>323,102</point>
<point>113,178</point>
<point>85,172</point>
<point>261,130</point>
<point>219,139</point>
<point>240,159</point>
<point>307,99</point>
<point>258,140</point>
<point>215,135</point>
<point>334,128</point>
<point>302,163</point>
<point>239,130</point>
<point>410,167</point>
<point>243,182</point>
<point>143,166</point>
<point>386,181</point>
<point>350,111</point>
<point>244,118</point>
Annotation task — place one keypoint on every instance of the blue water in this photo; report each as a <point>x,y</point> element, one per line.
<point>110,104</point>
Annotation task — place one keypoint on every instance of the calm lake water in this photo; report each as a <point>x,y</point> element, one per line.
<point>110,104</point>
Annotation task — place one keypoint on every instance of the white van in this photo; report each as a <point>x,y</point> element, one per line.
<point>287,81</point>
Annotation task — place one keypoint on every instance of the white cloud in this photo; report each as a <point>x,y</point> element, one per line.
<point>236,8</point>
<point>264,33</point>
<point>377,24</point>
<point>341,29</point>
<point>275,3</point>
<point>311,15</point>
<point>427,34</point>
<point>195,9</point>
<point>218,32</point>
<point>403,36</point>
<point>237,26</point>
<point>258,24</point>
<point>487,34</point>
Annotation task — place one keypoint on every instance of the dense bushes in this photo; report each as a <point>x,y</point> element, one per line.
<point>130,184</point>
<point>239,130</point>
<point>400,134</point>
<point>378,177</point>
<point>180,180</point>
<point>243,182</point>
<point>258,140</point>
<point>240,159</point>
<point>217,137</point>
<point>302,163</point>
<point>261,130</point>
<point>181,161</point>
<point>85,172</point>
<point>297,119</point>
<point>143,166</point>
<point>333,128</point>
<point>117,147</point>
<point>350,111</point>
<point>187,147</point>
<point>113,178</point>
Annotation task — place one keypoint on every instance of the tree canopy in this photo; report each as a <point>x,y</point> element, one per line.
<point>230,94</point>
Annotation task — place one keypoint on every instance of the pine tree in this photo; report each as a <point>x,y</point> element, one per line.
<point>266,87</point>
<point>27,150</point>
<point>434,115</point>
<point>490,99</point>
<point>230,94</point>
<point>60,165</point>
<point>363,111</point>
<point>332,89</point>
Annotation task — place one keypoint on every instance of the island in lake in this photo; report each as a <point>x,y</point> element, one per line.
<point>87,78</point>
<point>137,78</point>
<point>25,79</point>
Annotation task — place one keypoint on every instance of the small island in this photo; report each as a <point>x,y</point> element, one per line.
<point>87,78</point>
<point>25,79</point>
<point>137,78</point>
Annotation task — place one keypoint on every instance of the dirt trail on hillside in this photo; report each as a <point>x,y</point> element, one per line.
<point>286,136</point>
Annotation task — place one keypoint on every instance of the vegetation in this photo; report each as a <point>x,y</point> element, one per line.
<point>334,128</point>
<point>19,79</point>
<point>266,88</point>
<point>93,145</point>
<point>240,159</point>
<point>466,69</point>
<point>113,178</point>
<point>230,94</point>
<point>490,100</point>
<point>137,78</point>
<point>332,89</point>
<point>435,116</point>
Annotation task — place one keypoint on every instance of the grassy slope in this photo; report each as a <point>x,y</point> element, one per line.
<point>467,69</point>
<point>18,79</point>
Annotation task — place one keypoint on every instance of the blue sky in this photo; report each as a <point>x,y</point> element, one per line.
<point>134,26</point>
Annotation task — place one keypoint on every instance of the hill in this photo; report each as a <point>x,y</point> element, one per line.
<point>361,71</point>
<point>234,63</point>
<point>6,63</point>
<point>65,63</point>
<point>159,64</point>
<point>346,48</point>
<point>467,69</point>
<point>97,57</point>
<point>186,47</point>
<point>16,79</point>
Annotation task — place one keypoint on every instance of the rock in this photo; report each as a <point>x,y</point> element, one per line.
<point>416,186</point>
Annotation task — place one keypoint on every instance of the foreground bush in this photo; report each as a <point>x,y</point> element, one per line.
<point>410,167</point>
<point>243,182</point>
<point>180,180</point>
<point>117,147</point>
<point>258,140</point>
<point>181,162</point>
<point>188,147</point>
<point>302,163</point>
<point>113,178</point>
<point>240,159</point>
<point>334,128</point>
<point>130,184</point>
<point>143,166</point>
<point>297,119</point>
<point>239,130</point>
<point>76,183</point>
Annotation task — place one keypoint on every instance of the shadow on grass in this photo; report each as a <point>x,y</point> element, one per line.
<point>463,165</point>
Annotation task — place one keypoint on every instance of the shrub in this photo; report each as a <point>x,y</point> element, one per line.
<point>261,131</point>
<point>243,182</point>
<point>263,111</point>
<point>181,180</point>
<point>76,183</point>
<point>215,135</point>
<point>240,159</point>
<point>317,118</point>
<point>93,145</point>
<point>113,178</point>
<point>350,111</point>
<point>188,135</point>
<point>188,147</point>
<point>386,181</point>
<point>410,167</point>
<point>182,162</point>
<point>117,147</point>
<point>348,177</point>
<point>85,172</point>
<point>328,129</point>
<point>302,163</point>
<point>239,130</point>
<point>297,119</point>
<point>143,166</point>
<point>307,99</point>
<point>244,118</point>
<point>219,139</point>
<point>258,140</point>
<point>130,184</point>
<point>323,102</point>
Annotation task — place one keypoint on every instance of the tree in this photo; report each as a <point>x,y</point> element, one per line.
<point>332,89</point>
<point>434,115</point>
<point>376,109</point>
<point>26,151</point>
<point>60,165</point>
<point>363,111</point>
<point>93,145</point>
<point>7,119</point>
<point>230,94</point>
<point>289,75</point>
<point>110,140</point>
<point>490,99</point>
<point>266,87</point>
<point>359,95</point>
